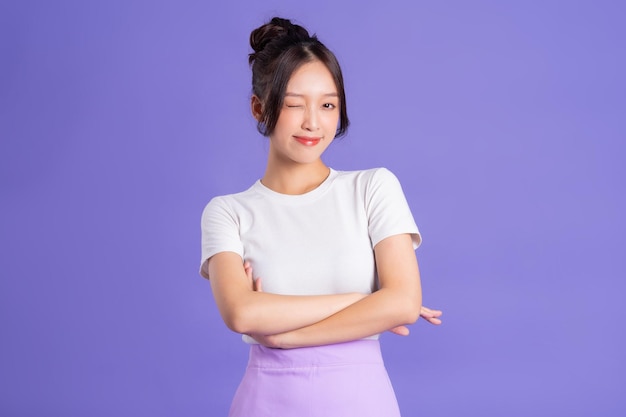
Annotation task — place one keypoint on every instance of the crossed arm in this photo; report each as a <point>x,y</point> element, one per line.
<point>297,321</point>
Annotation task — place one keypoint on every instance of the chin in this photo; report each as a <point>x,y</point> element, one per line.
<point>306,161</point>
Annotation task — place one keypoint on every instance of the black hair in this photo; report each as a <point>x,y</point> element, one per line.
<point>280,48</point>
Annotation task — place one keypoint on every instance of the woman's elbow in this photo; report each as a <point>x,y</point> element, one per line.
<point>238,321</point>
<point>412,309</point>
<point>234,324</point>
<point>411,316</point>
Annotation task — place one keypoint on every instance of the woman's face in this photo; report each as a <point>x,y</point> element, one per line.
<point>307,122</point>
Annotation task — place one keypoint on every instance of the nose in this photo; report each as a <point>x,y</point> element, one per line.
<point>310,121</point>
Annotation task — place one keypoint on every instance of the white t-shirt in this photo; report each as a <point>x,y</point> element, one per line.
<point>320,242</point>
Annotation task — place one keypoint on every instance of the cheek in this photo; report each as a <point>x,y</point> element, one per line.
<point>332,120</point>
<point>285,120</point>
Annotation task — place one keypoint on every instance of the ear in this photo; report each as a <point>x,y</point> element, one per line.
<point>257,108</point>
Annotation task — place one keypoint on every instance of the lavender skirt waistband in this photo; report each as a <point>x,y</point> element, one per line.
<point>341,380</point>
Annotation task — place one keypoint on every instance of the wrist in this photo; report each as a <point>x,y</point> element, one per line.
<point>357,296</point>
<point>360,296</point>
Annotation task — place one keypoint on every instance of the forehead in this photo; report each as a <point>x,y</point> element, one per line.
<point>311,78</point>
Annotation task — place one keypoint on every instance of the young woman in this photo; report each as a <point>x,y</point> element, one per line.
<point>311,264</point>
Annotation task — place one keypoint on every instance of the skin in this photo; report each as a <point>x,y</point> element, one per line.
<point>306,127</point>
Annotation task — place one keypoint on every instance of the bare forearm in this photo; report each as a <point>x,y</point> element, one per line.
<point>398,301</point>
<point>376,313</point>
<point>247,311</point>
<point>265,313</point>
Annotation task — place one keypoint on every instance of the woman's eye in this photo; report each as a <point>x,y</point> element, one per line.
<point>329,106</point>
<point>292,105</point>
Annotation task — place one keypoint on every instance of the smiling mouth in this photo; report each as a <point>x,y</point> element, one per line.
<point>308,141</point>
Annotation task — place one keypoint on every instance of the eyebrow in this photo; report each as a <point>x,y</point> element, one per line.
<point>302,95</point>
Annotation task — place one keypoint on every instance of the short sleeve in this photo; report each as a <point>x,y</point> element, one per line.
<point>220,232</point>
<point>387,209</point>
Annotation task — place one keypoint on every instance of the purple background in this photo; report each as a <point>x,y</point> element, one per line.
<point>505,122</point>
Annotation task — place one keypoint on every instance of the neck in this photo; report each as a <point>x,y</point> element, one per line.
<point>296,178</point>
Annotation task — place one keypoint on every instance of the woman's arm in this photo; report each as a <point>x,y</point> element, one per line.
<point>247,311</point>
<point>397,302</point>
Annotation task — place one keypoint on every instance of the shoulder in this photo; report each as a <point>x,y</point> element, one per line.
<point>369,174</point>
<point>368,178</point>
<point>229,204</point>
<point>218,203</point>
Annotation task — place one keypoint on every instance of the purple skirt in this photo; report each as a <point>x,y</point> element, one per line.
<point>342,380</point>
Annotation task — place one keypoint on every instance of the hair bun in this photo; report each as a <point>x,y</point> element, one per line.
<point>277,28</point>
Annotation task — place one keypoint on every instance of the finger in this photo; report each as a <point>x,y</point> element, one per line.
<point>427,312</point>
<point>433,320</point>
<point>258,285</point>
<point>400,330</point>
<point>248,269</point>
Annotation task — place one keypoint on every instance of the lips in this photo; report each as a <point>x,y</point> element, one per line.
<point>307,141</point>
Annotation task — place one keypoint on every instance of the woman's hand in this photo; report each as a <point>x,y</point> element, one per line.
<point>431,316</point>
<point>255,284</point>
<point>273,341</point>
<point>270,341</point>
<point>400,330</point>
<point>246,308</point>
